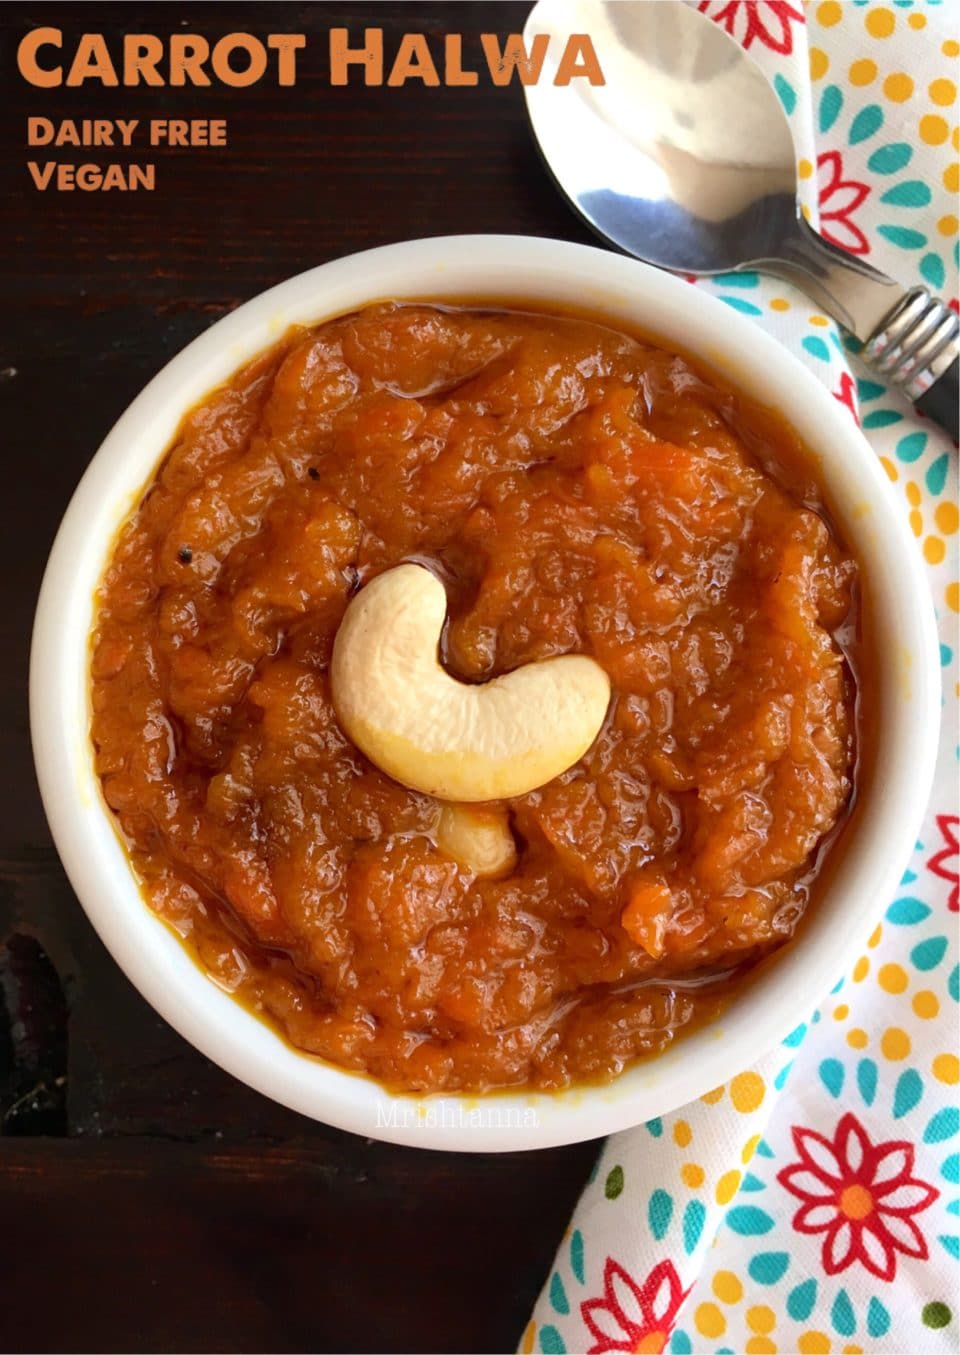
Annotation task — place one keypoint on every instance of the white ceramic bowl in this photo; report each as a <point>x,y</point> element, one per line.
<point>531,271</point>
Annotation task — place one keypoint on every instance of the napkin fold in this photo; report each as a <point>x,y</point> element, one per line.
<point>811,1203</point>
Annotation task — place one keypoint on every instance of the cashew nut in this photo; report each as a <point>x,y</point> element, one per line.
<point>451,739</point>
<point>478,837</point>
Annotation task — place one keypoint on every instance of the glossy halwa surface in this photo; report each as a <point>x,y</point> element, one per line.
<point>578,492</point>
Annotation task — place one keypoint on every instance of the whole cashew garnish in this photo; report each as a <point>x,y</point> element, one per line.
<point>478,837</point>
<point>454,740</point>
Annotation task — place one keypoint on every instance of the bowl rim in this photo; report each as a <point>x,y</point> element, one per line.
<point>532,271</point>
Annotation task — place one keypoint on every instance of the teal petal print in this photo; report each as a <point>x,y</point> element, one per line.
<point>831,105</point>
<point>878,1319</point>
<point>738,304</point>
<point>907,1094</point>
<point>911,447</point>
<point>800,1301</point>
<point>551,1342</point>
<point>694,1217</point>
<point>659,1213</point>
<point>888,159</point>
<point>749,1221</point>
<point>936,476</point>
<point>907,912</point>
<point>932,269</point>
<point>576,1254</point>
<point>902,236</point>
<point>816,347</point>
<point>943,1126</point>
<point>881,418</point>
<point>558,1296</point>
<point>769,1267</point>
<point>910,193</point>
<point>746,279</point>
<point>831,1075</point>
<point>785,92</point>
<point>866,124</point>
<point>842,1315</point>
<point>928,954</point>
<point>867,1080</point>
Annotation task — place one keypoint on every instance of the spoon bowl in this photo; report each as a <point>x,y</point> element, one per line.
<point>647,160</point>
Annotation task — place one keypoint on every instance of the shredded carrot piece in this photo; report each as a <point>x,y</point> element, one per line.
<point>645,917</point>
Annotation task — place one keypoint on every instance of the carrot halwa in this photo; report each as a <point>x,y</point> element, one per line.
<point>577,491</point>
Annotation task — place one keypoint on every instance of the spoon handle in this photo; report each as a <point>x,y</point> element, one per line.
<point>910,338</point>
<point>942,401</point>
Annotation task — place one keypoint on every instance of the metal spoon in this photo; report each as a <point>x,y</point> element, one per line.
<point>684,158</point>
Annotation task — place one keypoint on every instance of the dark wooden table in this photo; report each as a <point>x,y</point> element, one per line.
<point>149,1202</point>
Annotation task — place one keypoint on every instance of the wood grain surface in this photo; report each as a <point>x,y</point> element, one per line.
<point>149,1202</point>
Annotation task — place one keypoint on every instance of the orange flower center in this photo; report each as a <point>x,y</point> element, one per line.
<point>651,1344</point>
<point>856,1202</point>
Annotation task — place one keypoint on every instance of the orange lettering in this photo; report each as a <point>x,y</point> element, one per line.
<point>141,52</point>
<point>41,177</point>
<point>243,42</point>
<point>413,62</point>
<point>579,58</point>
<point>92,61</point>
<point>287,45</point>
<point>514,57</point>
<point>370,56</point>
<point>453,62</point>
<point>188,52</point>
<point>39,131</point>
<point>28,64</point>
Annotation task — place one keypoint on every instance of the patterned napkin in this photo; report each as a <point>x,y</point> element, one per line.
<point>811,1204</point>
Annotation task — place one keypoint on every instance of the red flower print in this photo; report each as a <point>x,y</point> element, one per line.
<point>764,21</point>
<point>861,1195</point>
<point>839,199</point>
<point>948,824</point>
<point>846,393</point>
<point>632,1317</point>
